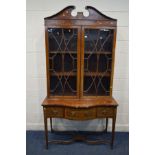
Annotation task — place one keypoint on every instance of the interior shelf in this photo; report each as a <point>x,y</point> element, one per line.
<point>75,52</point>
<point>85,74</point>
<point>96,73</point>
<point>97,52</point>
<point>63,73</point>
<point>63,52</point>
<point>64,94</point>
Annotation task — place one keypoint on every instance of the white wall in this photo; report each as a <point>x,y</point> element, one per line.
<point>36,74</point>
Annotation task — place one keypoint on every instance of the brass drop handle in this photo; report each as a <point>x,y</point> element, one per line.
<point>103,111</point>
<point>87,113</point>
<point>54,112</point>
<point>72,113</point>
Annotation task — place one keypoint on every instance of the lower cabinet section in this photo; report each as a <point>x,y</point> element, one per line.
<point>79,112</point>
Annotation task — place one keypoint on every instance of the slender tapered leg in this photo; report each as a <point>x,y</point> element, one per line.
<point>106,125</point>
<point>51,124</point>
<point>113,131</point>
<point>46,130</point>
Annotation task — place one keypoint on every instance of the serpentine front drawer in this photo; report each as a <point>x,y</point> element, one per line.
<point>80,114</point>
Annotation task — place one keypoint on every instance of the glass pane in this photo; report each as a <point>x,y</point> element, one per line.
<point>63,61</point>
<point>63,85</point>
<point>97,61</point>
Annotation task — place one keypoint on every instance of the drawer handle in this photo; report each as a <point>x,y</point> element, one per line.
<point>72,113</point>
<point>103,111</point>
<point>54,112</point>
<point>87,113</point>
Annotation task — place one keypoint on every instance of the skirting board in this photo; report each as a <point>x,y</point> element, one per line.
<point>60,127</point>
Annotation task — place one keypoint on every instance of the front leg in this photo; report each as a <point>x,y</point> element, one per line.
<point>113,131</point>
<point>46,128</point>
<point>106,129</point>
<point>51,124</point>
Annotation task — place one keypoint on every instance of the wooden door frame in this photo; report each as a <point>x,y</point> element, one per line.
<point>82,58</point>
<point>78,60</point>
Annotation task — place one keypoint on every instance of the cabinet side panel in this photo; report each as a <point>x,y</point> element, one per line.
<point>47,61</point>
<point>113,62</point>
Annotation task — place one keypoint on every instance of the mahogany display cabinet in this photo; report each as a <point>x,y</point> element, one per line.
<point>80,54</point>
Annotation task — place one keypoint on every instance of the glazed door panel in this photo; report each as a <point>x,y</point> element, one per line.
<point>97,61</point>
<point>63,65</point>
